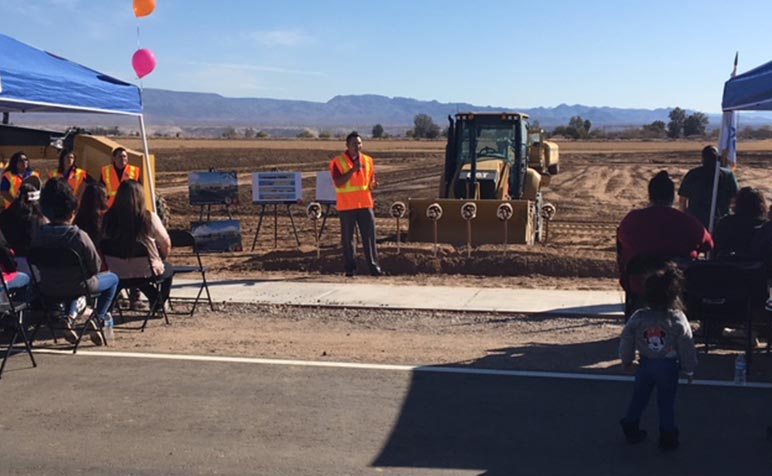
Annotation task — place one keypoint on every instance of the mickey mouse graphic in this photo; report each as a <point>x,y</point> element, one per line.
<point>655,338</point>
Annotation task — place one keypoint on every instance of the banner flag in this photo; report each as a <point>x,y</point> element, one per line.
<point>727,142</point>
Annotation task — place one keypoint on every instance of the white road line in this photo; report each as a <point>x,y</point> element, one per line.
<point>399,368</point>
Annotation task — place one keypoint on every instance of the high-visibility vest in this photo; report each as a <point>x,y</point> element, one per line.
<point>356,193</point>
<point>16,182</point>
<point>111,181</point>
<point>75,177</point>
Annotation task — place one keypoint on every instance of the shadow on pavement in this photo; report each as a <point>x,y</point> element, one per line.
<point>509,425</point>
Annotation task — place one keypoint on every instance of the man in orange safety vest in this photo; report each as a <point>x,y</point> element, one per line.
<point>119,171</point>
<point>354,176</point>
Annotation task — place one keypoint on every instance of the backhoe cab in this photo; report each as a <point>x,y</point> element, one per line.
<point>490,159</point>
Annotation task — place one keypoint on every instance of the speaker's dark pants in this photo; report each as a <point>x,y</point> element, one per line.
<point>364,218</point>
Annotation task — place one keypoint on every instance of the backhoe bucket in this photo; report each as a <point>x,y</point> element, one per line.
<point>486,227</point>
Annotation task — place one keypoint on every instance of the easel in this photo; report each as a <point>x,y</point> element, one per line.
<point>276,223</point>
<point>325,214</point>
<point>209,211</point>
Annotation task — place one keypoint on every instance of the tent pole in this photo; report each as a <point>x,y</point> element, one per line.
<point>6,118</point>
<point>716,173</point>
<point>150,173</point>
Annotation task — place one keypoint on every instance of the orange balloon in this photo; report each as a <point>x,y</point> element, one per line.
<point>143,8</point>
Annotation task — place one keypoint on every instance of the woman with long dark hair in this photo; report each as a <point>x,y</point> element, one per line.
<point>127,222</point>
<point>21,220</point>
<point>15,174</point>
<point>736,234</point>
<point>69,171</point>
<point>93,205</point>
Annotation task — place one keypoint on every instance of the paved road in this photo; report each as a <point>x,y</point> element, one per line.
<point>114,415</point>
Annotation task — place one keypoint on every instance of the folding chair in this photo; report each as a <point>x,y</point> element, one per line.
<point>723,293</point>
<point>13,311</point>
<point>185,239</point>
<point>636,271</point>
<point>118,260</point>
<point>51,266</point>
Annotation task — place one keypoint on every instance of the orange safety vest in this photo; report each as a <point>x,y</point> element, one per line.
<point>76,178</point>
<point>16,182</point>
<point>111,181</point>
<point>355,194</point>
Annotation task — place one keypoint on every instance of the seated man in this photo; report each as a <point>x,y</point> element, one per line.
<point>657,232</point>
<point>59,205</point>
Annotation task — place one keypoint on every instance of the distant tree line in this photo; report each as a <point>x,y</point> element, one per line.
<point>680,125</point>
<point>577,128</point>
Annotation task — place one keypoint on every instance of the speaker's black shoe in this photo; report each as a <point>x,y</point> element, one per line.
<point>376,271</point>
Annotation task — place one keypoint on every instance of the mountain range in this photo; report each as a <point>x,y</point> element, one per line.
<point>190,111</point>
<point>164,107</point>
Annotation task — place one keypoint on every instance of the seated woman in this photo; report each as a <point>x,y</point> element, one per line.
<point>20,222</point>
<point>67,170</point>
<point>93,205</point>
<point>127,222</point>
<point>737,235</point>
<point>16,281</point>
<point>17,172</point>
<point>651,235</point>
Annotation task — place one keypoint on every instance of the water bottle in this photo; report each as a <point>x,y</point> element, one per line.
<point>107,328</point>
<point>740,370</point>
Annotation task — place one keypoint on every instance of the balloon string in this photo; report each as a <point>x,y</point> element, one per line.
<point>138,42</point>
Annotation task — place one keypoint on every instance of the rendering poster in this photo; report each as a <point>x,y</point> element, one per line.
<point>213,188</point>
<point>277,187</point>
<point>217,236</point>
<point>325,188</point>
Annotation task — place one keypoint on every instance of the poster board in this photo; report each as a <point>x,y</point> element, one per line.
<point>213,188</point>
<point>217,236</point>
<point>325,188</point>
<point>277,187</point>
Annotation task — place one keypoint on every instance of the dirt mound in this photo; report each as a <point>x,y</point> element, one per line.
<point>419,259</point>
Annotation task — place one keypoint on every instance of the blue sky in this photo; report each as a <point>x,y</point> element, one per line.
<point>514,54</point>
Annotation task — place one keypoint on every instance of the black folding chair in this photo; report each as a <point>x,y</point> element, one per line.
<point>184,239</point>
<point>635,273</point>
<point>137,257</point>
<point>12,312</point>
<point>50,267</point>
<point>728,293</point>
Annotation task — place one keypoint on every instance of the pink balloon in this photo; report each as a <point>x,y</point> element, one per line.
<point>144,62</point>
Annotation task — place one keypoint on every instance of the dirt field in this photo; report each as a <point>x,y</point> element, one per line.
<point>598,184</point>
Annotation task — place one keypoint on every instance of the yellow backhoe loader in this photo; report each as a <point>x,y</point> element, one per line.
<point>491,159</point>
<point>92,152</point>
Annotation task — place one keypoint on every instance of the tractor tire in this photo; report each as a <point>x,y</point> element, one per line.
<point>162,210</point>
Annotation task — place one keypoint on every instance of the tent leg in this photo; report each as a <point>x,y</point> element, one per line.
<point>150,174</point>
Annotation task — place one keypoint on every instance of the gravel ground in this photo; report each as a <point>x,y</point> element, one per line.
<point>410,337</point>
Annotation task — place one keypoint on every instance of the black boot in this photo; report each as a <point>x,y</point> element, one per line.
<point>668,440</point>
<point>633,434</point>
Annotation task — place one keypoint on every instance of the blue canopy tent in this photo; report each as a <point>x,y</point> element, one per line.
<point>750,91</point>
<point>32,80</point>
